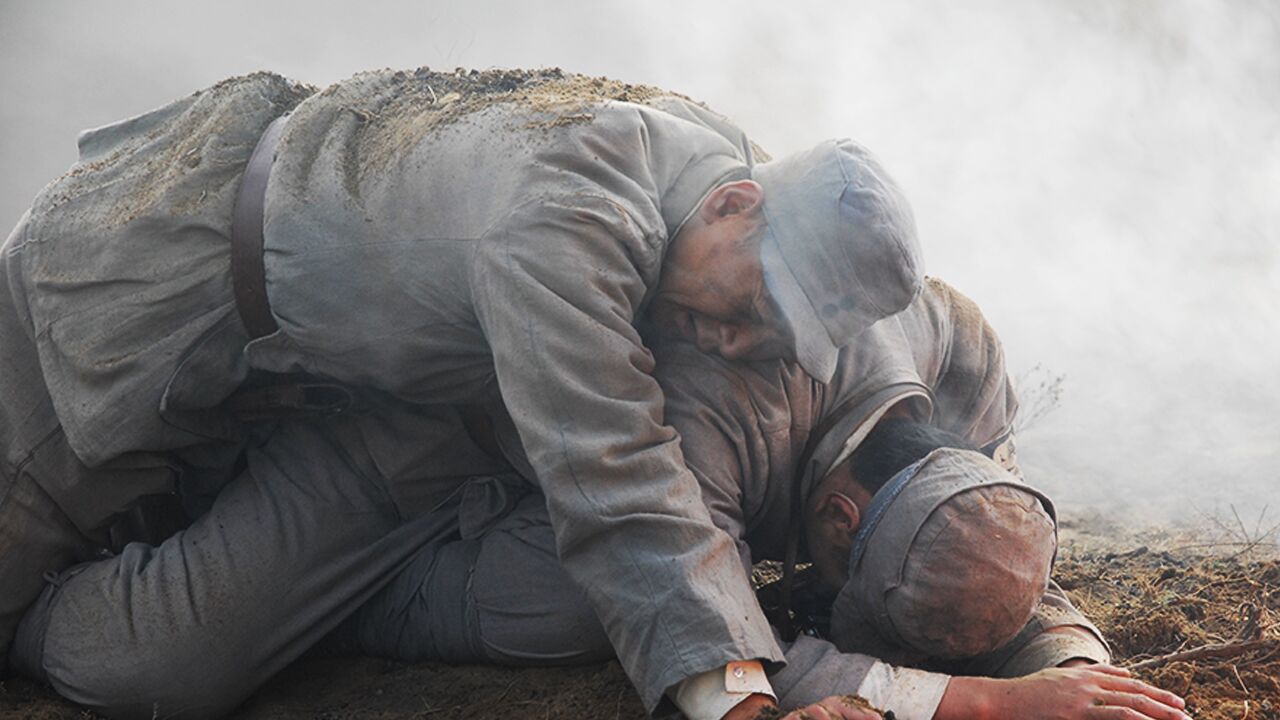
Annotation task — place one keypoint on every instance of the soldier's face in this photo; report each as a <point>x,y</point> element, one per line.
<point>712,291</point>
<point>832,519</point>
<point>723,310</point>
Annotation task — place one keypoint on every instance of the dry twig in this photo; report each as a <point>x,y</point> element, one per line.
<point>1038,399</point>
<point>1216,651</point>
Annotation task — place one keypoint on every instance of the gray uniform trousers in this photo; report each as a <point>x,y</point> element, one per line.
<point>433,251</point>
<point>295,544</point>
<point>48,498</point>
<point>115,274</point>
<point>495,592</point>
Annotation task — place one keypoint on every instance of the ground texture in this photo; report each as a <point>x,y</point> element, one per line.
<point>1161,599</point>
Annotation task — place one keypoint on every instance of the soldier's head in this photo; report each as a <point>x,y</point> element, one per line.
<point>936,550</point>
<point>836,507</point>
<point>793,262</point>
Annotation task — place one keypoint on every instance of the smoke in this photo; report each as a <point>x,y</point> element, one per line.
<point>1102,177</point>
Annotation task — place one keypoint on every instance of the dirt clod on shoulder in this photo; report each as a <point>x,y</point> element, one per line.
<point>420,101</point>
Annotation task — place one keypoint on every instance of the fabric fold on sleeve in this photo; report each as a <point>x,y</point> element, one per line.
<point>556,292</point>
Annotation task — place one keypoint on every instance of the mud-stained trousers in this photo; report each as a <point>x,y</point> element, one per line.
<point>493,593</point>
<point>496,593</point>
<point>54,510</point>
<point>189,628</point>
<point>308,544</point>
<point>37,539</point>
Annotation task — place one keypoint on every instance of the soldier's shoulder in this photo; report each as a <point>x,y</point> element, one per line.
<point>269,84</point>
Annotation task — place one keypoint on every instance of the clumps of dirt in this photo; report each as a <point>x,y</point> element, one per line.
<point>410,104</point>
<point>857,701</point>
<point>1147,632</point>
<point>1161,610</point>
<point>1149,604</point>
<point>186,154</point>
<point>1218,693</point>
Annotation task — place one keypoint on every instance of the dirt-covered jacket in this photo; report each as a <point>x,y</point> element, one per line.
<point>746,429</point>
<point>506,254</point>
<point>485,238</point>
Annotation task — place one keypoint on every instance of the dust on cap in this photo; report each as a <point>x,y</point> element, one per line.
<point>840,250</point>
<point>952,557</point>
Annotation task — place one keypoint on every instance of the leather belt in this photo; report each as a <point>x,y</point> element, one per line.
<point>248,273</point>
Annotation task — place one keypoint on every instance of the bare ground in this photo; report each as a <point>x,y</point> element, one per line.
<point>1153,594</point>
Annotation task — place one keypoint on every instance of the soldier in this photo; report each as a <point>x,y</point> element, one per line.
<point>768,444</point>
<point>934,598</point>
<point>452,245</point>
<point>485,584</point>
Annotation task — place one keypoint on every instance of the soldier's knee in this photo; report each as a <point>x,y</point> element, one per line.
<point>36,538</point>
<point>144,682</point>
<point>528,610</point>
<point>564,631</point>
<point>90,654</point>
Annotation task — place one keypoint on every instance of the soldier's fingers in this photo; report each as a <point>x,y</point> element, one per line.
<point>1138,687</point>
<point>1119,713</point>
<point>1145,705</point>
<point>1115,713</point>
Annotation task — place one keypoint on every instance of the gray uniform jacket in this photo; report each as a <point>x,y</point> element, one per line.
<point>745,428</point>
<point>443,238</point>
<point>745,431</point>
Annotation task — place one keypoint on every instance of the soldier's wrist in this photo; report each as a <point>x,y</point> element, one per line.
<point>754,707</point>
<point>966,698</point>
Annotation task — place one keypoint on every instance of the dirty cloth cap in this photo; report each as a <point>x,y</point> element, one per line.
<point>952,557</point>
<point>840,250</point>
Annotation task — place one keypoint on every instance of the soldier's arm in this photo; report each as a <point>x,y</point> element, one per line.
<point>816,668</point>
<point>557,288</point>
<point>713,404</point>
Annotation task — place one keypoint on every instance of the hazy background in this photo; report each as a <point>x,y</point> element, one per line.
<point>1103,176</point>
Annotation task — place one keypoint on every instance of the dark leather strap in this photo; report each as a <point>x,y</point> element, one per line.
<point>248,274</point>
<point>795,517</point>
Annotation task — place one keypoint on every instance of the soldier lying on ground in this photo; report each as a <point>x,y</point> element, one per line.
<point>943,567</point>
<point>754,436</point>
<point>448,240</point>
<point>295,536</point>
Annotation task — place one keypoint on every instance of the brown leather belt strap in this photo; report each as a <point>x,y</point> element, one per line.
<point>248,273</point>
<point>795,515</point>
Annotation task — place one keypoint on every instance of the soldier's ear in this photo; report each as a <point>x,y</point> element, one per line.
<point>840,514</point>
<point>732,198</point>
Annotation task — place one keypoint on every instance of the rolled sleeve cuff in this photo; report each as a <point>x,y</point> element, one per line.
<point>909,693</point>
<point>709,695</point>
<point>1052,649</point>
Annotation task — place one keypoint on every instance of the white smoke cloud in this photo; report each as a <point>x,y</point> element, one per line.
<point>1103,177</point>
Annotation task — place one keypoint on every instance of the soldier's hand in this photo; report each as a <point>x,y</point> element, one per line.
<point>1095,692</point>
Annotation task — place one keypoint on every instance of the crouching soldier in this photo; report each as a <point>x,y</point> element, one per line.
<point>445,241</point>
